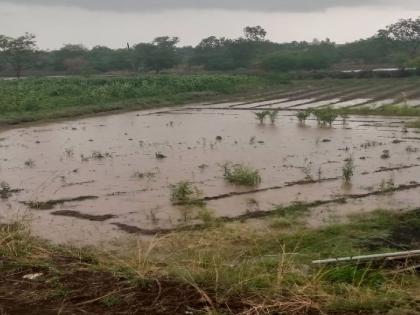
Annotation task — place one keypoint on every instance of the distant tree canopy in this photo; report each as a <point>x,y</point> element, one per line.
<point>19,52</point>
<point>406,31</point>
<point>396,45</point>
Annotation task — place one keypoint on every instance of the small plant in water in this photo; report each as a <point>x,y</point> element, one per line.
<point>344,117</point>
<point>29,163</point>
<point>325,116</point>
<point>141,175</point>
<point>241,175</point>
<point>4,190</point>
<point>186,194</point>
<point>302,116</point>
<point>348,170</point>
<point>273,115</point>
<point>260,116</point>
<point>387,185</point>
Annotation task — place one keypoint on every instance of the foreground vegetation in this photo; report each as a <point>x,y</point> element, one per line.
<point>223,269</point>
<point>43,98</point>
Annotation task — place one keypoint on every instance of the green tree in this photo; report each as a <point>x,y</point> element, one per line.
<point>18,52</point>
<point>159,55</point>
<point>255,33</point>
<point>406,31</point>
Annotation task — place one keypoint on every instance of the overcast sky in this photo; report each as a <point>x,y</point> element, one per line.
<point>116,22</point>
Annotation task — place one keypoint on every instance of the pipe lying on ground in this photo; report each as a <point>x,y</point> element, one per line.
<point>399,255</point>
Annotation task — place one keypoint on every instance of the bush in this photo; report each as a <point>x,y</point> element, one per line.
<point>184,193</point>
<point>241,175</point>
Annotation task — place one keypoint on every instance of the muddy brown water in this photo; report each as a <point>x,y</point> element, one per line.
<point>98,174</point>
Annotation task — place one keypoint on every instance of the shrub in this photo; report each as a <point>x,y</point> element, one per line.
<point>273,115</point>
<point>185,193</point>
<point>241,175</point>
<point>325,116</point>
<point>261,116</point>
<point>348,170</point>
<point>303,116</point>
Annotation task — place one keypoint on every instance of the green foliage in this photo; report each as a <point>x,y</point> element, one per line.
<point>273,115</point>
<point>303,116</point>
<point>354,275</point>
<point>241,175</point>
<point>260,116</point>
<point>348,170</point>
<point>325,116</point>
<point>186,194</point>
<point>31,99</point>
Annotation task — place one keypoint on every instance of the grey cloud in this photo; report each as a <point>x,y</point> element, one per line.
<point>254,5</point>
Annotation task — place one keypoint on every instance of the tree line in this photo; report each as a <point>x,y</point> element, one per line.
<point>397,45</point>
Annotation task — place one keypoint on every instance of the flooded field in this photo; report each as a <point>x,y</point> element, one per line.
<point>94,179</point>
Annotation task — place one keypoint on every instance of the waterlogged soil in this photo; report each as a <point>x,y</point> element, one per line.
<point>94,179</point>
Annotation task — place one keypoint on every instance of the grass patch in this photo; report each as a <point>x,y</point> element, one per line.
<point>239,174</point>
<point>226,267</point>
<point>185,193</point>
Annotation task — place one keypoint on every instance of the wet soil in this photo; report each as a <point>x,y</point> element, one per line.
<point>71,288</point>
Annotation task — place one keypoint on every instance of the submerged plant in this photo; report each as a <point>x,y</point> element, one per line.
<point>260,116</point>
<point>348,170</point>
<point>302,116</point>
<point>241,175</point>
<point>186,194</point>
<point>325,116</point>
<point>29,163</point>
<point>273,115</point>
<point>4,190</point>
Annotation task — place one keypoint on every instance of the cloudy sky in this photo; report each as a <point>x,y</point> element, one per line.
<point>116,22</point>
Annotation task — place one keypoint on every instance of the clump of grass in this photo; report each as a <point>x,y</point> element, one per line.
<point>96,155</point>
<point>4,190</point>
<point>141,175</point>
<point>385,154</point>
<point>387,185</point>
<point>326,116</point>
<point>260,116</point>
<point>302,116</point>
<point>413,124</point>
<point>273,115</point>
<point>185,193</point>
<point>239,174</point>
<point>348,170</point>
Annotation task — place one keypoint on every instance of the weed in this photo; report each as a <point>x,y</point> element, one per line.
<point>348,170</point>
<point>325,116</point>
<point>69,152</point>
<point>241,175</point>
<point>302,116</point>
<point>307,169</point>
<point>207,216</point>
<point>186,194</point>
<point>273,115</point>
<point>4,190</point>
<point>160,156</point>
<point>30,163</point>
<point>141,175</point>
<point>385,154</point>
<point>387,185</point>
<point>111,301</point>
<point>260,116</point>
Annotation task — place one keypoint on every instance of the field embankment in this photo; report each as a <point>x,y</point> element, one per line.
<point>232,268</point>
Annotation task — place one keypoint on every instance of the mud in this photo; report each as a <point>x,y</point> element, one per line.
<point>83,216</point>
<point>104,171</point>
